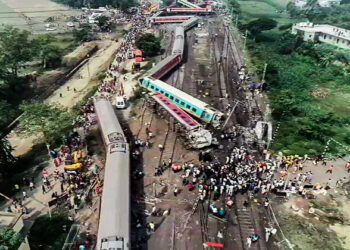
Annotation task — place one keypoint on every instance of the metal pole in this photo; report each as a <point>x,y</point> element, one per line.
<point>88,67</point>
<point>6,197</point>
<point>264,73</point>
<point>245,39</point>
<point>49,211</point>
<point>228,118</point>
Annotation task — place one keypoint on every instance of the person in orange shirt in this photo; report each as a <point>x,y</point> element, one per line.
<point>283,174</point>
<point>330,169</point>
<point>347,165</point>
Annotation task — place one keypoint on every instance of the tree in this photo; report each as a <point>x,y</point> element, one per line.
<point>288,43</point>
<point>49,120</point>
<point>83,34</point>
<point>7,160</point>
<point>167,2</point>
<point>257,26</point>
<point>9,239</point>
<point>5,112</point>
<point>149,44</point>
<point>47,233</point>
<point>234,7</point>
<point>15,47</point>
<point>50,55</point>
<point>103,22</point>
<point>120,4</point>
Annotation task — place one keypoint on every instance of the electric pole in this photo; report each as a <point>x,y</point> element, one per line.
<point>264,73</point>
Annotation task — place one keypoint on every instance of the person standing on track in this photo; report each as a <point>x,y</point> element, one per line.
<point>176,191</point>
<point>249,242</point>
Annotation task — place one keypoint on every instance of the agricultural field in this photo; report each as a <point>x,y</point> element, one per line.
<point>32,15</point>
<point>264,9</point>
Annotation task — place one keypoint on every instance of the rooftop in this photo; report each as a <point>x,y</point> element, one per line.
<point>9,219</point>
<point>325,29</point>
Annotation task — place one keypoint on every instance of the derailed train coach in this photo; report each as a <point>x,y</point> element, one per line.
<point>185,101</point>
<point>114,223</point>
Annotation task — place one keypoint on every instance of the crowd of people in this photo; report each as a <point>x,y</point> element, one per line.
<point>73,183</point>
<point>240,173</point>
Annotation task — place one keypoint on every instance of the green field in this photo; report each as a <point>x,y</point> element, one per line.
<point>10,18</point>
<point>269,9</point>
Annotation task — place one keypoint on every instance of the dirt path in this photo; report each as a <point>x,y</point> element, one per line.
<point>88,73</point>
<point>86,77</point>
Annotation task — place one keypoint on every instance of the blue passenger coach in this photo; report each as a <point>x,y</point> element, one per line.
<point>183,100</point>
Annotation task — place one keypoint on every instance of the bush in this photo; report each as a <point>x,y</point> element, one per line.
<point>9,239</point>
<point>255,27</point>
<point>49,233</point>
<point>285,26</point>
<point>137,94</point>
<point>295,70</point>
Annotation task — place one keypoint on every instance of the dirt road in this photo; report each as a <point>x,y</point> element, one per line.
<point>86,77</point>
<point>82,81</point>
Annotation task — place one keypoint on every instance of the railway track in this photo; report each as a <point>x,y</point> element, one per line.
<point>203,218</point>
<point>247,227</point>
<point>217,61</point>
<point>233,44</point>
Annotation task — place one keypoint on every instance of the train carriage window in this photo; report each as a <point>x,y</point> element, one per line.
<point>157,89</point>
<point>117,147</point>
<point>194,109</point>
<point>171,98</point>
<point>166,94</point>
<point>152,87</point>
<point>177,100</point>
<point>162,91</point>
<point>188,106</point>
<point>115,137</point>
<point>182,103</point>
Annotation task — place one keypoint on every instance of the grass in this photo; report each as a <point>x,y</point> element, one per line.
<point>338,99</point>
<point>64,41</point>
<point>251,10</point>
<point>254,9</point>
<point>278,4</point>
<point>307,234</point>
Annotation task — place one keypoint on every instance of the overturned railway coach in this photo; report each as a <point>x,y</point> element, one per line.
<point>114,224</point>
<point>183,100</point>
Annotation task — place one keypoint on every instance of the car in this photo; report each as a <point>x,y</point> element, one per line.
<point>120,102</point>
<point>50,29</point>
<point>70,24</point>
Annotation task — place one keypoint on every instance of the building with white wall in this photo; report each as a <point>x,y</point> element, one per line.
<point>299,3</point>
<point>323,33</point>
<point>328,3</point>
